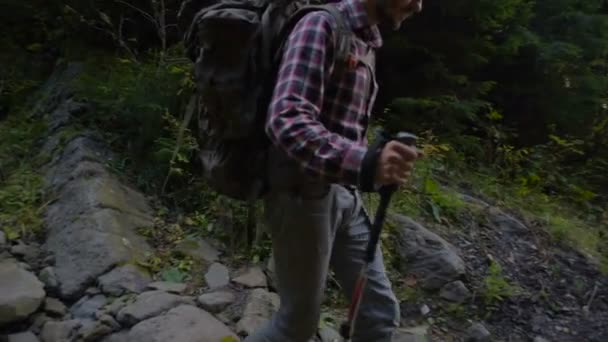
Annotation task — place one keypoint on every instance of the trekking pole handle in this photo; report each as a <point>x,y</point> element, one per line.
<point>386,193</point>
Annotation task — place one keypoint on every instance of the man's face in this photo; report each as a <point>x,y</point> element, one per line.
<point>397,11</point>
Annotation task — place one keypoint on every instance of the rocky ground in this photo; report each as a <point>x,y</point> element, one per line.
<point>84,281</point>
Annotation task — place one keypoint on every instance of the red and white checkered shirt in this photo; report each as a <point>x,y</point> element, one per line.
<point>321,121</point>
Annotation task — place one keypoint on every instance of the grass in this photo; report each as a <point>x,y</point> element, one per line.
<point>566,222</point>
<point>21,196</point>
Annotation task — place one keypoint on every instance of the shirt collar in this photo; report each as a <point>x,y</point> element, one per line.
<point>360,22</point>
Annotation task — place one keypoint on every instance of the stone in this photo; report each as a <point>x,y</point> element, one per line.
<point>412,334</point>
<point>149,304</point>
<point>26,252</point>
<point>455,292</point>
<point>253,277</point>
<point>475,201</point>
<point>505,222</point>
<point>109,321</point>
<point>49,278</point>
<point>93,331</point>
<point>260,306</point>
<point>38,321</point>
<point>122,336</point>
<point>477,333</point>
<point>217,276</point>
<point>425,255</point>
<point>425,310</point>
<point>540,339</point>
<point>116,305</point>
<point>21,293</point>
<point>91,291</point>
<point>3,241</point>
<point>54,307</point>
<point>93,222</point>
<point>24,266</point>
<point>59,331</point>
<point>185,323</point>
<point>171,287</point>
<point>198,249</point>
<point>87,306</point>
<point>327,334</point>
<point>124,279</point>
<point>215,302</point>
<point>27,336</point>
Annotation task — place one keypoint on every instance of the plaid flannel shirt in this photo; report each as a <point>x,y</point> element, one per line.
<point>319,121</point>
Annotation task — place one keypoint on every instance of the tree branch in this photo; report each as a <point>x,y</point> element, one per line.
<point>142,12</point>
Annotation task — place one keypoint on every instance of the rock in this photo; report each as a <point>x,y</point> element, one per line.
<point>432,260</point>
<point>185,323</point>
<point>92,291</point>
<point>477,333</point>
<point>455,292</point>
<point>21,293</point>
<point>25,266</point>
<point>27,336</point>
<point>475,201</point>
<point>425,310</point>
<point>59,331</point>
<point>38,321</point>
<point>149,304</point>
<point>327,334</point>
<point>198,249</point>
<point>124,279</point>
<point>3,241</point>
<point>87,306</point>
<point>93,331</point>
<point>270,273</point>
<point>260,306</point>
<point>215,302</point>
<point>505,222</point>
<point>539,322</point>
<point>217,276</point>
<point>54,307</point>
<point>26,252</point>
<point>177,288</point>
<point>116,305</point>
<point>49,278</point>
<point>48,260</point>
<point>413,334</point>
<point>109,321</point>
<point>540,339</point>
<point>122,336</point>
<point>254,277</point>
<point>93,222</point>
<point>6,256</point>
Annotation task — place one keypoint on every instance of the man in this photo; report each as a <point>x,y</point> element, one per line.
<point>320,162</point>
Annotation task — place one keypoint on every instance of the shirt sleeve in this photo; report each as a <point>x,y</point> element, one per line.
<point>294,123</point>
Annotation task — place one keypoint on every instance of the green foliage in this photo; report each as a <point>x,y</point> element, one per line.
<point>496,287</point>
<point>140,105</point>
<point>20,184</point>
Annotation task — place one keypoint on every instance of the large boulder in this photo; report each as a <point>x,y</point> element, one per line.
<point>21,293</point>
<point>92,224</point>
<point>432,260</point>
<point>185,323</point>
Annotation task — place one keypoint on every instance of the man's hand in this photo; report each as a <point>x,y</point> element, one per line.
<point>396,163</point>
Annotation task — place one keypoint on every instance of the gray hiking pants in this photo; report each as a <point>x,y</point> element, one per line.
<point>312,232</point>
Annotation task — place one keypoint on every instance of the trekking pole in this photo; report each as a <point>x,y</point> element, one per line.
<point>386,192</point>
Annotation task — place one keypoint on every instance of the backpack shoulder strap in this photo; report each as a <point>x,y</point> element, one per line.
<point>343,33</point>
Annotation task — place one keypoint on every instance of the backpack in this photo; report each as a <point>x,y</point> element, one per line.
<point>236,48</point>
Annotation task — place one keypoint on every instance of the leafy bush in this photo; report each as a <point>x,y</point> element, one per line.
<point>20,184</point>
<point>139,106</point>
